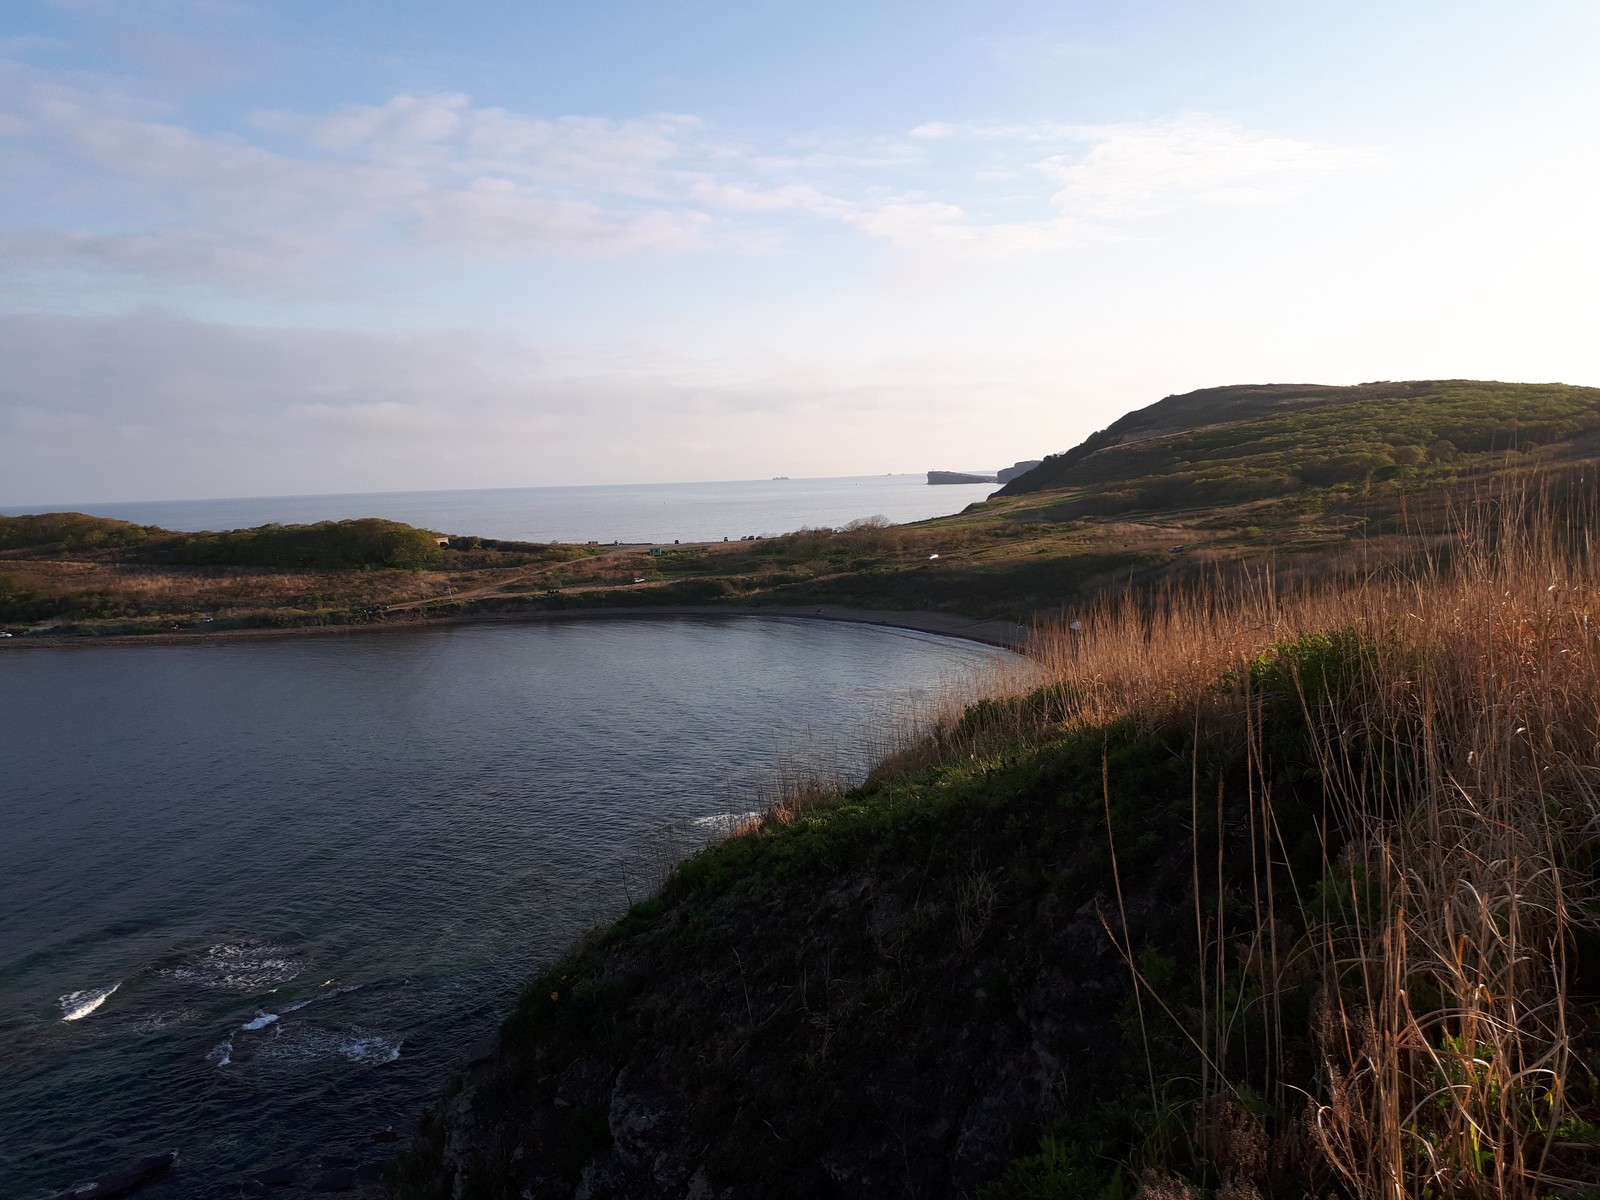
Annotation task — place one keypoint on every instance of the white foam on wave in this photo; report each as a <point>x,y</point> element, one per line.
<point>75,1006</point>
<point>222,1052</point>
<point>246,966</point>
<point>263,1019</point>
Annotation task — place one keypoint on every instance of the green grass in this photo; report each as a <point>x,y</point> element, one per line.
<point>1229,445</point>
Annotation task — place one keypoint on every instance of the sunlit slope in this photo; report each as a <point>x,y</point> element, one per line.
<point>1232,444</point>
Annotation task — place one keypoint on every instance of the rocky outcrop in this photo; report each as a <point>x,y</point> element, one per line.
<point>1017,470</point>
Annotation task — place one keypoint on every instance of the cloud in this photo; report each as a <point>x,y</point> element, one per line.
<point>445,136</point>
<point>117,182</point>
<point>496,217</point>
<point>150,404</point>
<point>1108,178</point>
<point>413,176</point>
<point>281,257</point>
<point>1132,170</point>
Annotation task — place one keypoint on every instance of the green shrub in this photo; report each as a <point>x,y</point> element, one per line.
<point>368,542</point>
<point>71,531</point>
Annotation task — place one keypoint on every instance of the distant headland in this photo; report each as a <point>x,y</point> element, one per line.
<point>1003,476</point>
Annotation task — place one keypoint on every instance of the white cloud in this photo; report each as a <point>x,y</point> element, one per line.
<point>1109,177</point>
<point>1134,169</point>
<point>444,134</point>
<point>496,217</point>
<point>309,197</point>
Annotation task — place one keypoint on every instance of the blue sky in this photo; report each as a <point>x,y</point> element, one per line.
<point>257,248</point>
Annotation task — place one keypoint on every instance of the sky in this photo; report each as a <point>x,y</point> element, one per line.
<point>270,247</point>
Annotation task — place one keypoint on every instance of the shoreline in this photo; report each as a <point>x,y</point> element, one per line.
<point>1007,635</point>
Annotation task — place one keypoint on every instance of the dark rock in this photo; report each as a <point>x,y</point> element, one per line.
<point>339,1179</point>
<point>279,1176</point>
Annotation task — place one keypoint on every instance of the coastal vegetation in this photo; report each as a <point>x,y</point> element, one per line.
<point>1273,876</point>
<point>1308,478</point>
<point>1250,891</point>
<point>328,544</point>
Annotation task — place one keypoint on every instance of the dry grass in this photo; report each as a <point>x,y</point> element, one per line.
<point>1460,762</point>
<point>221,590</point>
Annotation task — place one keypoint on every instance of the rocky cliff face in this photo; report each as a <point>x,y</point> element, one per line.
<point>1017,470</point>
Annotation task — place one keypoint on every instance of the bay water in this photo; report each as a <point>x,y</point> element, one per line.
<point>259,900</point>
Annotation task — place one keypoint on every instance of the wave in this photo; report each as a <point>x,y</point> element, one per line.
<point>157,1021</point>
<point>343,989</point>
<point>75,1006</point>
<point>222,1052</point>
<point>246,966</point>
<point>305,1042</point>
<point>263,1019</point>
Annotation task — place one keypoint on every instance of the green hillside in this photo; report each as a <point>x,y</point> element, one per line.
<point>1214,481</point>
<point>1231,444</point>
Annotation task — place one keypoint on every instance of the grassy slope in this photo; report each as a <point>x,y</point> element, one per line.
<point>1316,805</point>
<point>886,995</point>
<point>1346,838</point>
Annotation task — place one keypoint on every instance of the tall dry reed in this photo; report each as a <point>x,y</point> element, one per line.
<point>1460,770</point>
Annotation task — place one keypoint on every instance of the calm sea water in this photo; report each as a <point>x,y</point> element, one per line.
<point>258,901</point>
<point>689,512</point>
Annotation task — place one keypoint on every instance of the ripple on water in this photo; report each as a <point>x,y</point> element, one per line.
<point>436,815</point>
<point>304,1042</point>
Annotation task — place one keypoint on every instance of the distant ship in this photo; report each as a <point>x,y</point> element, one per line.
<point>775,478</point>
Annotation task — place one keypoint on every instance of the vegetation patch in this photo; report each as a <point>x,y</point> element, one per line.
<point>1261,893</point>
<point>368,542</point>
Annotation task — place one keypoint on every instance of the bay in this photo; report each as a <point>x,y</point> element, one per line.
<point>261,899</point>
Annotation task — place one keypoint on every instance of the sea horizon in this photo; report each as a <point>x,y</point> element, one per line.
<point>627,512</point>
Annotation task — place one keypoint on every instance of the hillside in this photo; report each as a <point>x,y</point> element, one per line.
<point>1308,477</point>
<point>1275,876</point>
<point>1230,444</point>
<point>1249,893</point>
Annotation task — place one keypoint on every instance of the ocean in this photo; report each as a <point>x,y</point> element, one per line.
<point>661,512</point>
